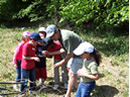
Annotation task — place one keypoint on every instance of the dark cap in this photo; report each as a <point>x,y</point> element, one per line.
<point>48,41</point>
<point>35,36</point>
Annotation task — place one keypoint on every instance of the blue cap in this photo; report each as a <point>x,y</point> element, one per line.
<point>35,36</point>
<point>50,30</point>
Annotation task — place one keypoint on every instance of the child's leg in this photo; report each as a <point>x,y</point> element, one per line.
<point>32,79</point>
<point>56,73</point>
<point>18,71</point>
<point>18,77</point>
<point>64,75</point>
<point>24,77</point>
<point>43,75</point>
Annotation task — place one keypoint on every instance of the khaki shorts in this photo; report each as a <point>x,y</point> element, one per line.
<point>74,64</point>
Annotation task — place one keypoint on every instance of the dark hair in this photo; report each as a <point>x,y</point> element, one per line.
<point>97,56</point>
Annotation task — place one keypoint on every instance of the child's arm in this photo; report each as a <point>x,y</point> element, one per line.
<point>81,73</point>
<point>31,58</point>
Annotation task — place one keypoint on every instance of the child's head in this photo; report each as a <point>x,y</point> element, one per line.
<point>42,32</point>
<point>25,36</point>
<point>87,50</point>
<point>35,38</point>
<point>48,42</point>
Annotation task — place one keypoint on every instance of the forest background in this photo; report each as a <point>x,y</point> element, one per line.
<point>104,23</point>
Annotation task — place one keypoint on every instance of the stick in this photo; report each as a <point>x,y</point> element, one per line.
<point>11,82</point>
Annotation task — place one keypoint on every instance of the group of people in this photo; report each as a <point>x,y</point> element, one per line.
<point>77,58</point>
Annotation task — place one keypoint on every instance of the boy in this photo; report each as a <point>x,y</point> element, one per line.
<point>28,62</point>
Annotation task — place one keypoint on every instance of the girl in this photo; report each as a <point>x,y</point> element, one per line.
<point>89,71</point>
<point>18,56</point>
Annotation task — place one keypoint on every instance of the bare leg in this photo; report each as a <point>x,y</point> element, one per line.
<point>72,78</point>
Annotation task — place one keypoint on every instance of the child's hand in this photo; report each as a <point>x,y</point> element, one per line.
<point>37,59</point>
<point>44,53</point>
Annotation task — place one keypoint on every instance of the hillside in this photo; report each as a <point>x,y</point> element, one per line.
<point>114,69</point>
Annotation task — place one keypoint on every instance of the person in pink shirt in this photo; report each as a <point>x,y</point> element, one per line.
<point>18,56</point>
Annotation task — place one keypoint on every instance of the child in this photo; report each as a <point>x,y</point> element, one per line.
<point>28,62</point>
<point>55,46</point>
<point>40,71</point>
<point>42,32</point>
<point>18,57</point>
<point>89,71</point>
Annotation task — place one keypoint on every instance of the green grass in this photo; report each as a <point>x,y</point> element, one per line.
<point>113,70</point>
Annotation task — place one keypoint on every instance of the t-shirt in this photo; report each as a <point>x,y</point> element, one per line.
<point>69,40</point>
<point>89,68</point>
<point>29,51</point>
<point>18,52</point>
<point>56,47</point>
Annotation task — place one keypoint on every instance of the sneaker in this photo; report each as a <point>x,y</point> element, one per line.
<point>15,87</point>
<point>55,87</point>
<point>66,85</point>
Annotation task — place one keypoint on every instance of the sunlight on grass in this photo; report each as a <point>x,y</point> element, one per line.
<point>114,50</point>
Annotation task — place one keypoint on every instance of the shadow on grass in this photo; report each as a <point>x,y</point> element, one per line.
<point>104,91</point>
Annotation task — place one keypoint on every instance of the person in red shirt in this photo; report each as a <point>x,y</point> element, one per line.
<point>28,62</point>
<point>55,46</point>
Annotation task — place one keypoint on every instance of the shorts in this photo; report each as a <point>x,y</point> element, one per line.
<point>41,73</point>
<point>74,64</point>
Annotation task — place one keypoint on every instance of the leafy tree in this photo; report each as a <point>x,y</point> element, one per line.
<point>103,13</point>
<point>36,10</point>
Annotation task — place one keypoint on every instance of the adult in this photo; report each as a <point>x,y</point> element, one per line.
<point>69,41</point>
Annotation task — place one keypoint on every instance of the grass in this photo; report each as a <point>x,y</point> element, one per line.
<point>114,77</point>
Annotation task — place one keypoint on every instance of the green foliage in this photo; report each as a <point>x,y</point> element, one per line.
<point>103,13</point>
<point>35,11</point>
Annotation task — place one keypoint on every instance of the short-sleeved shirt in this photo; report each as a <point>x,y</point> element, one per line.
<point>56,47</point>
<point>69,40</point>
<point>29,51</point>
<point>89,68</point>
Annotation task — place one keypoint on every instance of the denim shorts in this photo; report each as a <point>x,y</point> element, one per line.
<point>85,88</point>
<point>74,64</point>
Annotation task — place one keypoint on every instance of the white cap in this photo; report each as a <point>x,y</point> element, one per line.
<point>42,29</point>
<point>84,47</point>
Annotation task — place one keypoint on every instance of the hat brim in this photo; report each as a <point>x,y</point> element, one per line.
<point>78,52</point>
<point>41,40</point>
<point>50,34</point>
